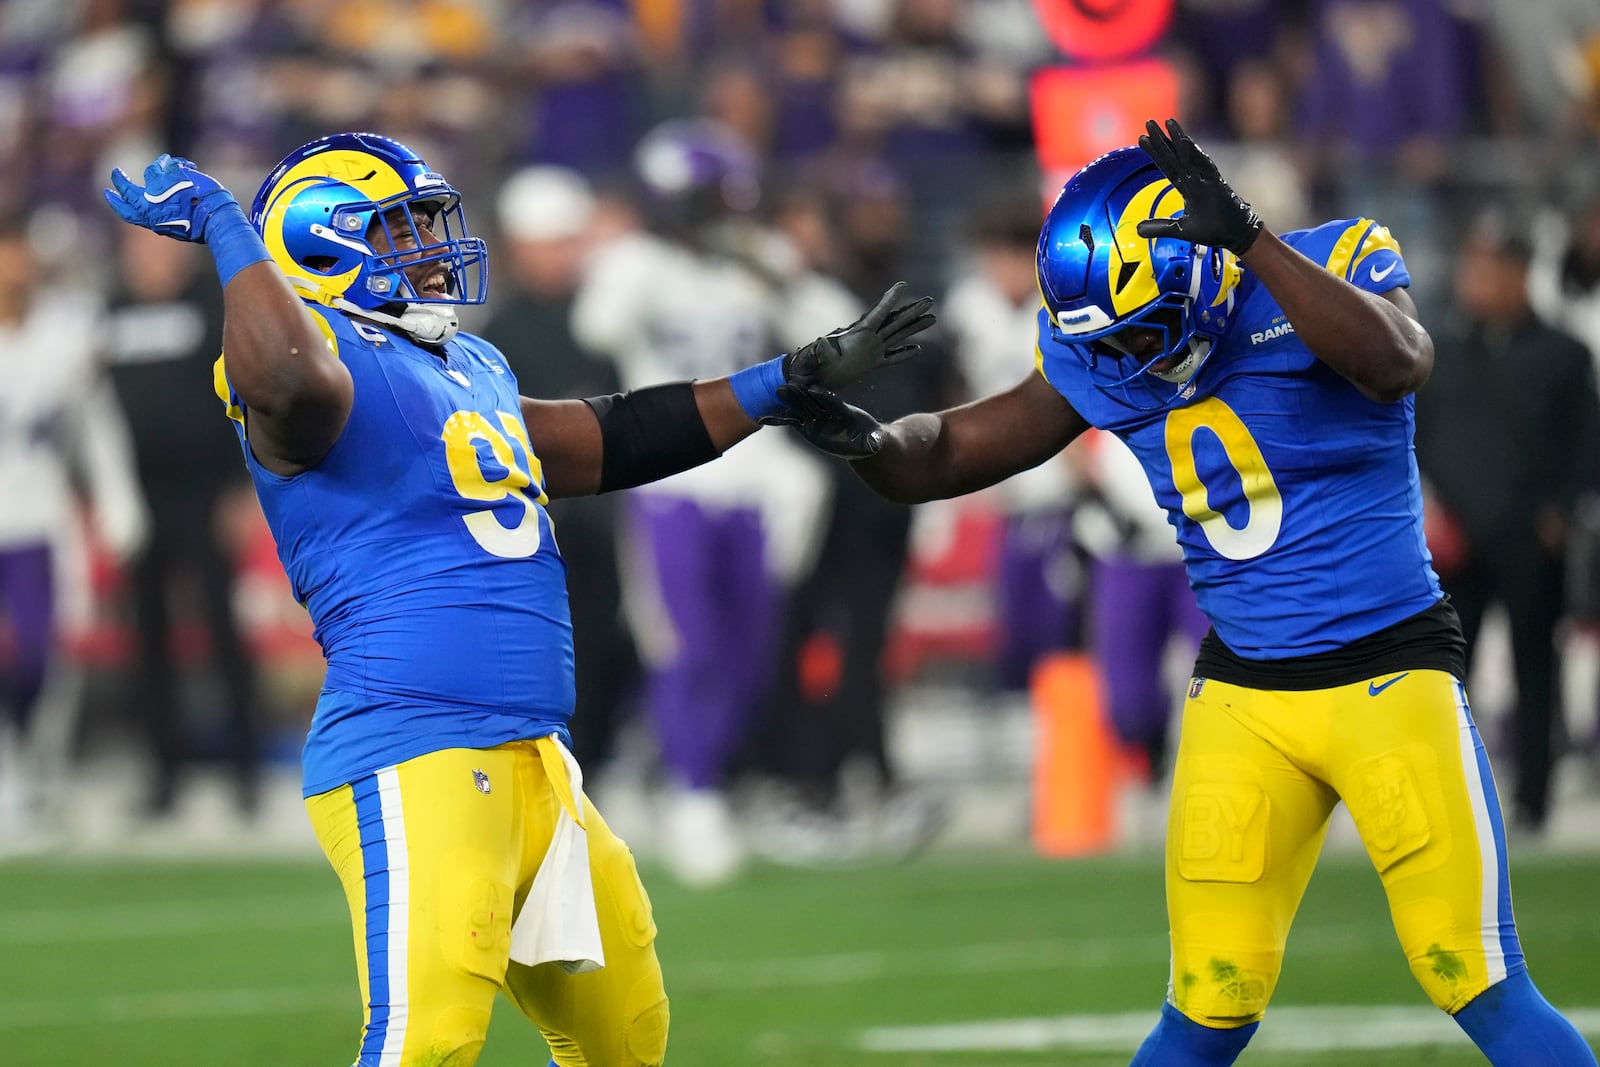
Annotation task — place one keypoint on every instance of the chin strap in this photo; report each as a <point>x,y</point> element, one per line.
<point>430,324</point>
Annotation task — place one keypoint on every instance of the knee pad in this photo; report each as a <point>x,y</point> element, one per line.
<point>643,1036</point>
<point>458,1036</point>
<point>1227,993</point>
<point>1446,977</point>
<point>645,1031</point>
<point>458,1049</point>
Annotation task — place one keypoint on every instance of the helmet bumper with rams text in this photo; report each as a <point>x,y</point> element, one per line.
<point>316,213</point>
<point>1142,313</point>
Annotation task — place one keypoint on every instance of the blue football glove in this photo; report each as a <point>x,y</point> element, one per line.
<point>184,203</point>
<point>177,199</point>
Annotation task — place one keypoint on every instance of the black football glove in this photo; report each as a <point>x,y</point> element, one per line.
<point>828,423</point>
<point>876,339</point>
<point>1213,214</point>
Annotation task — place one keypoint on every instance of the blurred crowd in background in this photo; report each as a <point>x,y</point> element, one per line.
<point>676,188</point>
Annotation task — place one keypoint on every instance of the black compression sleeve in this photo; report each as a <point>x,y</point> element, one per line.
<point>650,433</point>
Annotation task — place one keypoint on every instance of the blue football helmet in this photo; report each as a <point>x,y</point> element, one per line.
<point>317,211</point>
<point>1102,282</point>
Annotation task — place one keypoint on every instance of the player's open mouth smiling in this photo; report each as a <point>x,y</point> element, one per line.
<point>435,284</point>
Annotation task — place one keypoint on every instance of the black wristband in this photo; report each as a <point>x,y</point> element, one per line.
<point>649,433</point>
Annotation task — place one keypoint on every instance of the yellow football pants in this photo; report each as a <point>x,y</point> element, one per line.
<point>436,855</point>
<point>1256,778</point>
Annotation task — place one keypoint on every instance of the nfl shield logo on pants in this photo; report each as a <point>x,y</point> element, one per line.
<point>1195,685</point>
<point>481,780</point>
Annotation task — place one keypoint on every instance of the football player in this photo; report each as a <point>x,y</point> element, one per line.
<point>1265,383</point>
<point>710,551</point>
<point>405,481</point>
<point>60,426</point>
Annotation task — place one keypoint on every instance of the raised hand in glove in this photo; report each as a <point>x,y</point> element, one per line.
<point>177,198</point>
<point>1213,214</point>
<point>187,204</point>
<point>828,423</point>
<point>880,337</point>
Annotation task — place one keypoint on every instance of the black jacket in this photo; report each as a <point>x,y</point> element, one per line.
<point>1508,424</point>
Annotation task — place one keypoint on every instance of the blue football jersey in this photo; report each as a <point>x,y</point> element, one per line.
<point>421,548</point>
<point>1296,500</point>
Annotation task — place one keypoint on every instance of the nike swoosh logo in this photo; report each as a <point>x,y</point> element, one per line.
<point>1373,688</point>
<point>1380,275</point>
<point>180,224</point>
<point>164,197</point>
<point>462,378</point>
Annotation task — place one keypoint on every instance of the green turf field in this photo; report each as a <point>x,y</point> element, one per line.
<point>249,966</point>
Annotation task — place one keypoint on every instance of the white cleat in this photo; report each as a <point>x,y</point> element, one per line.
<point>702,845</point>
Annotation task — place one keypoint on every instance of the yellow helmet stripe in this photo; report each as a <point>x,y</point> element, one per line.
<point>369,176</point>
<point>1232,275</point>
<point>1157,200</point>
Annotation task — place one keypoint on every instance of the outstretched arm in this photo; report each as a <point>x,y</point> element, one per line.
<point>925,456</point>
<point>933,456</point>
<point>605,443</point>
<point>296,390</point>
<point>614,442</point>
<point>1372,340</point>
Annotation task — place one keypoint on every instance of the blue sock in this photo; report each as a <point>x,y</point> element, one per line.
<point>1178,1041</point>
<point>1515,1026</point>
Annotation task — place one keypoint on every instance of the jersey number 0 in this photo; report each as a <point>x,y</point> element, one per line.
<point>1261,493</point>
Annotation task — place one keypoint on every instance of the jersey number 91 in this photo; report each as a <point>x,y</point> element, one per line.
<point>462,432</point>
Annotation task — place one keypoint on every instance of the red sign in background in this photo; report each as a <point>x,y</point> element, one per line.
<point>1104,29</point>
<point>1083,112</point>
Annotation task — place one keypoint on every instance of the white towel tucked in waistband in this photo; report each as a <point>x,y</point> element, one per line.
<point>558,923</point>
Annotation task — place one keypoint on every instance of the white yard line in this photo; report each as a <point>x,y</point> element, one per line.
<point>1287,1029</point>
<point>100,924</point>
<point>743,976</point>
